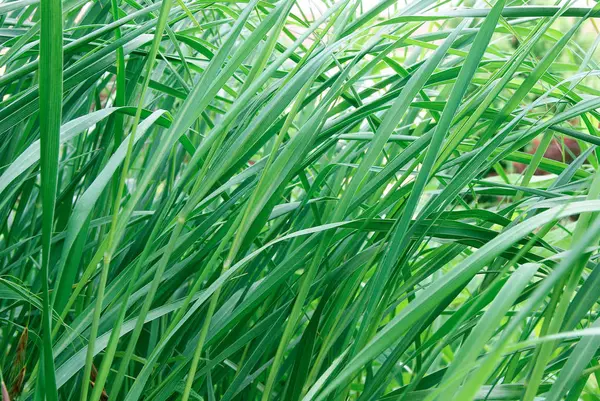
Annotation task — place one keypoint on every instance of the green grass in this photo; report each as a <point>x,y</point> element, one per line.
<point>303,201</point>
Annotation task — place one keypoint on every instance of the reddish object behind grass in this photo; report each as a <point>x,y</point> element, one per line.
<point>556,151</point>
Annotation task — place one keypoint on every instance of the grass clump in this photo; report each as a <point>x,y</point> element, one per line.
<point>254,200</point>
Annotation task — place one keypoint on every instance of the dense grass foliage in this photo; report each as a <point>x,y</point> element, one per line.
<point>299,200</point>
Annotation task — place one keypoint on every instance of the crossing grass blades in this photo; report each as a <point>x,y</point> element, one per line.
<point>299,200</point>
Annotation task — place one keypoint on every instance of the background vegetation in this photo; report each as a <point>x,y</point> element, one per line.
<point>299,200</point>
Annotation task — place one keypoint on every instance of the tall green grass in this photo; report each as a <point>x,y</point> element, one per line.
<point>299,200</point>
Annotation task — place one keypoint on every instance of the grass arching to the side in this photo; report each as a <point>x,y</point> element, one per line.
<point>306,201</point>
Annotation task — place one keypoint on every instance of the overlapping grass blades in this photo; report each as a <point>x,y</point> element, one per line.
<point>254,200</point>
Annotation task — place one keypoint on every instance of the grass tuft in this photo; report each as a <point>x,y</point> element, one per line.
<point>300,201</point>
